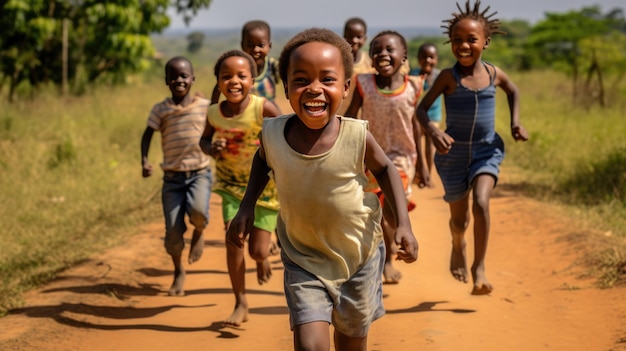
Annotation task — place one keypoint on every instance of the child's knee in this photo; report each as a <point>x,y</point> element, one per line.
<point>174,244</point>
<point>199,219</point>
<point>459,224</point>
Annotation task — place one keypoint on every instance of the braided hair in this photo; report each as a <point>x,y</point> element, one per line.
<point>492,26</point>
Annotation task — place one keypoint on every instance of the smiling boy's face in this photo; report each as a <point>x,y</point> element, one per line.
<point>427,58</point>
<point>256,42</point>
<point>179,78</point>
<point>355,36</point>
<point>316,83</point>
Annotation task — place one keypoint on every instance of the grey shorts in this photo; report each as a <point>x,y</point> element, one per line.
<point>350,307</point>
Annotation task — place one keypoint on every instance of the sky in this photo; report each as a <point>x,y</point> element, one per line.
<point>389,14</point>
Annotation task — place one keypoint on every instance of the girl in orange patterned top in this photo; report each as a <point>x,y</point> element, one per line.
<point>387,99</point>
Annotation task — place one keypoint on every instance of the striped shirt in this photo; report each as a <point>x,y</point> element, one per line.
<point>181,128</point>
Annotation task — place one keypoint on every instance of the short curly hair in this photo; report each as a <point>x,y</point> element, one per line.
<point>390,32</point>
<point>315,35</point>
<point>491,26</point>
<point>256,24</point>
<point>234,53</point>
<point>352,21</point>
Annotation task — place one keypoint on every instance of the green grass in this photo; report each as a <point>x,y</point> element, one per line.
<point>70,175</point>
<point>71,179</point>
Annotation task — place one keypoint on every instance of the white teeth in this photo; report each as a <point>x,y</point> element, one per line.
<point>464,54</point>
<point>384,63</point>
<point>315,104</point>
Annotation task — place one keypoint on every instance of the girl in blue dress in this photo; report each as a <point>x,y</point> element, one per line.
<point>469,152</point>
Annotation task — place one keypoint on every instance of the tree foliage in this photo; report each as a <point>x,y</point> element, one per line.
<point>195,40</point>
<point>570,41</point>
<point>106,40</point>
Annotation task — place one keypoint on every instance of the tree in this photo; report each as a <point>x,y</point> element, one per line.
<point>555,42</point>
<point>107,40</point>
<point>194,42</point>
<point>603,54</point>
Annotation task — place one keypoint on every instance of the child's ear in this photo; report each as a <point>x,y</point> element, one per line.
<point>286,91</point>
<point>487,41</point>
<point>346,88</point>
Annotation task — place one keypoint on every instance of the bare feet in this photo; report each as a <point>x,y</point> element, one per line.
<point>240,315</point>
<point>263,271</point>
<point>197,246</point>
<point>458,267</point>
<point>390,274</point>
<point>177,285</point>
<point>481,284</point>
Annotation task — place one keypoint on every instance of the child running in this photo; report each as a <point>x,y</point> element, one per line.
<point>470,151</point>
<point>387,100</point>
<point>186,173</point>
<point>428,58</point>
<point>355,33</point>
<point>256,41</point>
<point>231,136</point>
<point>328,226</point>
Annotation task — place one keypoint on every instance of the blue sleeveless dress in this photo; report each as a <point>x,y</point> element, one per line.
<point>477,148</point>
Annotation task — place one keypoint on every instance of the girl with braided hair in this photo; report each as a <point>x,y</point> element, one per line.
<point>469,152</point>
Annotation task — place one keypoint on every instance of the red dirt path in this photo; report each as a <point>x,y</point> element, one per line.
<point>117,301</point>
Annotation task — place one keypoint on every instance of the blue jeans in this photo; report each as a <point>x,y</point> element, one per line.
<point>184,193</point>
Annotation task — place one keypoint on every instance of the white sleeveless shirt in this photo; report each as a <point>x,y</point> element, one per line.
<point>327,224</point>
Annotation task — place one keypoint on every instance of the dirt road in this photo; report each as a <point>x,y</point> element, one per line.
<point>117,301</point>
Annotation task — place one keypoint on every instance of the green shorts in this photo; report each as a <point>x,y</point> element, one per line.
<point>264,218</point>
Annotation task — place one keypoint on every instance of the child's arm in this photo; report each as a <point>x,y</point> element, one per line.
<point>146,138</point>
<point>422,176</point>
<point>215,95</point>
<point>444,83</point>
<point>209,146</point>
<point>270,109</point>
<point>389,180</point>
<point>421,168</point>
<point>357,100</point>
<point>512,94</point>
<point>243,222</point>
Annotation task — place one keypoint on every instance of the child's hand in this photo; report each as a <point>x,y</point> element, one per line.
<point>519,133</point>
<point>217,146</point>
<point>422,176</point>
<point>442,141</point>
<point>146,169</point>
<point>407,245</point>
<point>239,228</point>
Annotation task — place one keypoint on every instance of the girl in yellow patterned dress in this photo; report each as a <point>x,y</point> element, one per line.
<point>231,136</point>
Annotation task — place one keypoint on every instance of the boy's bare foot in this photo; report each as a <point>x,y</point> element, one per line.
<point>177,285</point>
<point>458,267</point>
<point>240,315</point>
<point>197,246</point>
<point>263,271</point>
<point>274,248</point>
<point>481,284</point>
<point>390,274</point>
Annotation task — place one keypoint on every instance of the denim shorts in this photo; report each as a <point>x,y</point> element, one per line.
<point>184,193</point>
<point>459,167</point>
<point>350,307</point>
